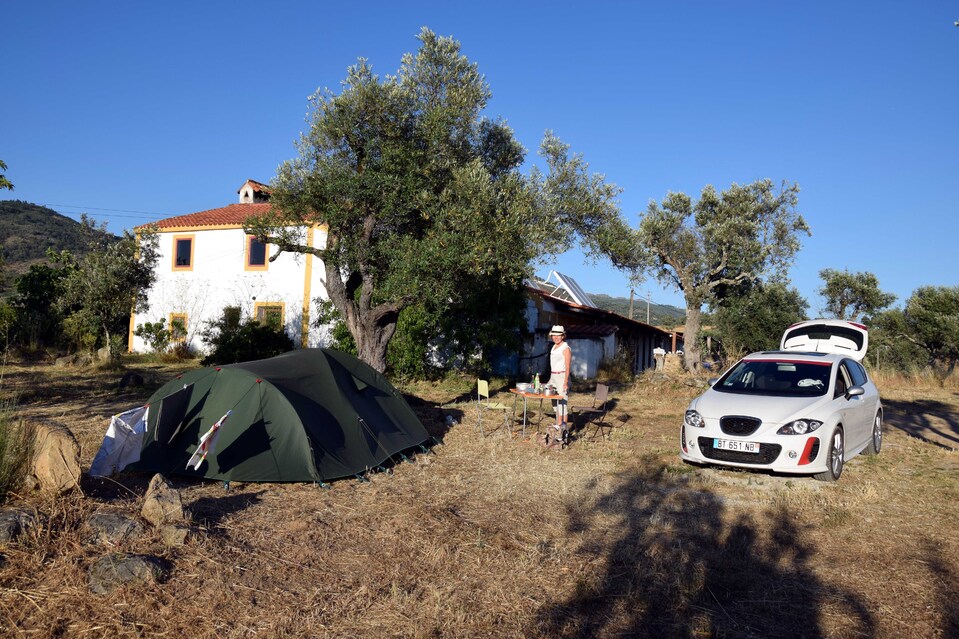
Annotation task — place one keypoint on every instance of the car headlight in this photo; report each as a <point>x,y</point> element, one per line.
<point>693,418</point>
<point>799,427</point>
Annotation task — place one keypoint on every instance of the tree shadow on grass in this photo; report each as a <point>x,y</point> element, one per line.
<point>210,511</point>
<point>931,421</point>
<point>674,563</point>
<point>947,584</point>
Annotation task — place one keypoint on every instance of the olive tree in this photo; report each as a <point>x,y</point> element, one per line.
<point>744,234</point>
<point>110,281</point>
<point>421,197</point>
<point>851,296</point>
<point>756,319</point>
<point>930,320</point>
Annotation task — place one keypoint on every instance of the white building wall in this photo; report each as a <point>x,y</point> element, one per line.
<point>219,279</point>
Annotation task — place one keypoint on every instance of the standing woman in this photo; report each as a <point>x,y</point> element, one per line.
<point>560,358</point>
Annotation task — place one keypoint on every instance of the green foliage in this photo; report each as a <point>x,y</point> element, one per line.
<point>16,450</point>
<point>38,316</point>
<point>408,352</point>
<point>81,330</point>
<point>889,349</point>
<point>851,296</point>
<point>4,182</point>
<point>340,337</point>
<point>233,340</point>
<point>931,319</point>
<point>159,338</point>
<point>926,331</point>
<point>111,280</point>
<point>756,318</point>
<point>704,249</point>
<point>617,369</point>
<point>8,319</point>
<point>422,195</point>
<point>155,334</point>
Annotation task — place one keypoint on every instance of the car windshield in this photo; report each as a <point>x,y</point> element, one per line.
<point>776,377</point>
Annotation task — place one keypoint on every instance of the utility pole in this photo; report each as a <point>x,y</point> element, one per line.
<point>647,306</point>
<point>630,303</point>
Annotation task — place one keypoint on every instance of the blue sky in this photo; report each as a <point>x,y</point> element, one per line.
<point>132,112</point>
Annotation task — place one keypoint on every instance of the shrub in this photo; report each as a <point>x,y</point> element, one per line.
<point>155,334</point>
<point>618,368</point>
<point>233,340</point>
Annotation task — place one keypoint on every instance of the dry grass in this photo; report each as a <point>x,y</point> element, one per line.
<point>499,538</point>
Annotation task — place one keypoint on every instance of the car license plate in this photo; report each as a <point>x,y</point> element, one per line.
<point>738,446</point>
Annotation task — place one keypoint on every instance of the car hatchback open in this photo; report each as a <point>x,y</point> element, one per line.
<point>807,408</point>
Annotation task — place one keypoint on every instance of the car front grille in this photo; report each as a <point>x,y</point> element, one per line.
<point>738,425</point>
<point>767,453</point>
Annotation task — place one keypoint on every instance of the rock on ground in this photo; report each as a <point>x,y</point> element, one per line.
<point>117,569</point>
<point>113,528</point>
<point>162,503</point>
<point>56,457</point>
<point>15,522</point>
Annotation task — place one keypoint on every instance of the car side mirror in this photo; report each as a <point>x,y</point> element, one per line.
<point>855,391</point>
<point>712,381</point>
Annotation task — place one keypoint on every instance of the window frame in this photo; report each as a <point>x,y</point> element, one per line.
<point>178,316</point>
<point>248,254</point>
<point>257,306</point>
<point>176,251</point>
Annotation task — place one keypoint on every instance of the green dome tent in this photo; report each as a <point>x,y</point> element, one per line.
<point>307,415</point>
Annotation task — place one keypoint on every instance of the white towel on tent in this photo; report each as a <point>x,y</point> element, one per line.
<point>122,443</point>
<point>207,443</point>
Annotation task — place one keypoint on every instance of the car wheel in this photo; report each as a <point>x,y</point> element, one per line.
<point>875,442</point>
<point>834,457</point>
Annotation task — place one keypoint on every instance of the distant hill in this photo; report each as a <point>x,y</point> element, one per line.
<point>27,231</point>
<point>659,314</point>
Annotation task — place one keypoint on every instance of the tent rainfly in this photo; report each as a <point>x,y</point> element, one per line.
<point>307,415</point>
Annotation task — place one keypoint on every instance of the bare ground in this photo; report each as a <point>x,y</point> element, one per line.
<point>496,537</point>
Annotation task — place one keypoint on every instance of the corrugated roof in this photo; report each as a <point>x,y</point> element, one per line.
<point>589,330</point>
<point>588,311</point>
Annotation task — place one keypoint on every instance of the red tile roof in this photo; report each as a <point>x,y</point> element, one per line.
<point>233,215</point>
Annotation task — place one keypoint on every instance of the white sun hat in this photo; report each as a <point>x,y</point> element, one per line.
<point>557,330</point>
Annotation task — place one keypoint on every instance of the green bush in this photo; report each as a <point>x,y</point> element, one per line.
<point>16,449</point>
<point>233,340</point>
<point>155,334</point>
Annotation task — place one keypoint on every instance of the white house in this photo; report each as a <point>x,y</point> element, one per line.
<point>207,263</point>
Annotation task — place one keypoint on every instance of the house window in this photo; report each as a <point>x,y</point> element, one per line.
<point>256,254</point>
<point>183,253</point>
<point>269,314</point>
<point>178,324</point>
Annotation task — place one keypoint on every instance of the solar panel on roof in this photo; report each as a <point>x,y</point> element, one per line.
<point>575,291</point>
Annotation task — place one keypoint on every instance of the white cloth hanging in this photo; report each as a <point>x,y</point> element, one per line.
<point>122,442</point>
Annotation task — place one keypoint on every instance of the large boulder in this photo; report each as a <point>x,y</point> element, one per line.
<point>162,503</point>
<point>56,457</point>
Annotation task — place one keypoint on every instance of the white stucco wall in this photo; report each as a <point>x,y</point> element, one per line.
<point>589,353</point>
<point>218,279</point>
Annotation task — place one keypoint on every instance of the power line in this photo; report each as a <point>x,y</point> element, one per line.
<point>94,208</point>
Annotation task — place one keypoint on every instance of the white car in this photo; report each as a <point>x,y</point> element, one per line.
<point>805,409</point>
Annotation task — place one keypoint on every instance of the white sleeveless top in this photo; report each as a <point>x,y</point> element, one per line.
<point>557,363</point>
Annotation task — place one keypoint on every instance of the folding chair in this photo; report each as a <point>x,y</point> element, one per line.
<point>596,414</point>
<point>483,404</point>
